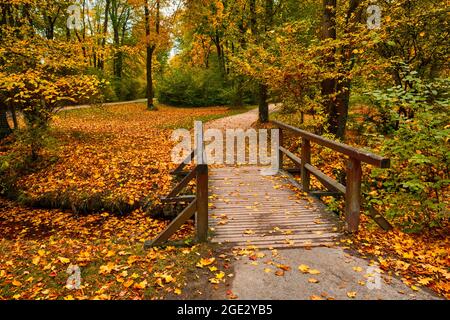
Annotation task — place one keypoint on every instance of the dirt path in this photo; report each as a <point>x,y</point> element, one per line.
<point>239,121</point>
<point>103,104</point>
<point>330,272</point>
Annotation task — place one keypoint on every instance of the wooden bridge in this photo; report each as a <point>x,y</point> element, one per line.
<point>241,207</point>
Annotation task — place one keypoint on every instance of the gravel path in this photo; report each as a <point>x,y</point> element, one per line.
<point>239,121</point>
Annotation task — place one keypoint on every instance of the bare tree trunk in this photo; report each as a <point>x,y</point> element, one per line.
<point>14,116</point>
<point>5,129</point>
<point>263,104</point>
<point>328,86</point>
<point>101,62</point>
<point>150,51</point>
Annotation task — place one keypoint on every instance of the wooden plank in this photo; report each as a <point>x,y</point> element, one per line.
<point>291,156</point>
<point>306,159</point>
<point>353,195</point>
<point>179,169</point>
<point>233,238</point>
<point>280,150</point>
<point>187,198</point>
<point>182,184</point>
<point>380,220</point>
<point>320,194</point>
<point>202,203</point>
<point>173,226</point>
<point>328,182</point>
<point>352,152</point>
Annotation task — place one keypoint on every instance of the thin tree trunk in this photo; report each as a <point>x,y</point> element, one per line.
<point>101,62</point>
<point>263,104</point>
<point>5,129</point>
<point>328,86</point>
<point>14,116</point>
<point>151,48</point>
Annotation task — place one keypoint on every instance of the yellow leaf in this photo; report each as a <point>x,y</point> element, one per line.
<point>128,283</point>
<point>141,285</point>
<point>169,278</point>
<point>16,283</point>
<point>220,275</point>
<point>177,291</point>
<point>303,268</point>
<point>316,298</point>
<point>132,259</point>
<point>214,280</point>
<point>36,260</point>
<point>312,280</point>
<point>357,269</point>
<point>110,254</point>
<point>64,260</point>
<point>415,288</point>
<point>106,269</point>
<point>204,262</point>
<point>351,294</point>
<point>425,281</point>
<point>314,272</point>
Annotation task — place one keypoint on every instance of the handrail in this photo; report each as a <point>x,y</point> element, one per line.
<point>198,204</point>
<point>352,152</point>
<point>352,190</point>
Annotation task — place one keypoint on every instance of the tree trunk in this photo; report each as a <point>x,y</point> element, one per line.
<point>101,62</point>
<point>328,86</point>
<point>117,55</point>
<point>342,107</point>
<point>5,129</point>
<point>150,51</point>
<point>14,116</point>
<point>263,105</point>
<point>150,91</point>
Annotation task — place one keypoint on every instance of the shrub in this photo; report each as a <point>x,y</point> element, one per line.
<point>415,191</point>
<point>198,87</point>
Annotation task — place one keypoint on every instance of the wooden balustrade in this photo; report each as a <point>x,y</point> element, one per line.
<point>352,191</point>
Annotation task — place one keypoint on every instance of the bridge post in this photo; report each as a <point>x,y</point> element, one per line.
<point>201,217</point>
<point>280,153</point>
<point>353,195</point>
<point>306,159</point>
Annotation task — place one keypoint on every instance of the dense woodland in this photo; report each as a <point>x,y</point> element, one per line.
<point>372,74</point>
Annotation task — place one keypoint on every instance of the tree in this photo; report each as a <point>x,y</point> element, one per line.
<point>39,75</point>
<point>150,50</point>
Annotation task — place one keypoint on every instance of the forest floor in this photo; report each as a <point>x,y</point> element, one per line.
<point>120,156</point>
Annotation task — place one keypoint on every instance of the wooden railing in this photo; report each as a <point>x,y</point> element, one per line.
<point>352,191</point>
<point>198,203</point>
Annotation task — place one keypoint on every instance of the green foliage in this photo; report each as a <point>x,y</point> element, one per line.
<point>196,87</point>
<point>415,190</point>
<point>128,89</point>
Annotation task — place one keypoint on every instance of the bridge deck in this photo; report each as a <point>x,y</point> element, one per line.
<point>249,209</point>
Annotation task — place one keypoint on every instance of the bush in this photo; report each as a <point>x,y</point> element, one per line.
<point>127,89</point>
<point>197,87</point>
<point>415,191</point>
